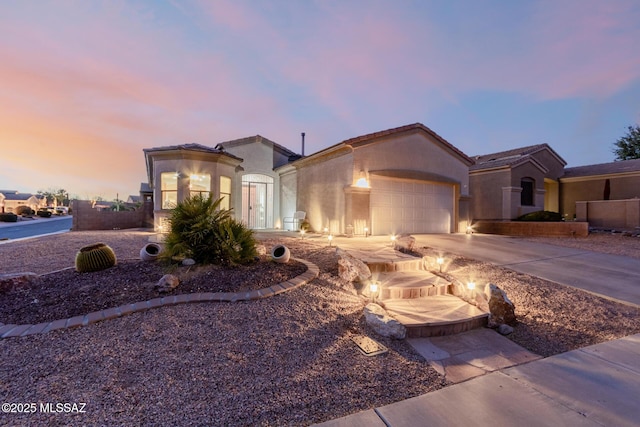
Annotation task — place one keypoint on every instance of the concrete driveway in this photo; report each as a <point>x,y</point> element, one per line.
<point>612,276</point>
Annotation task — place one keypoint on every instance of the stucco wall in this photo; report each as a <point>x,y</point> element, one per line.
<point>415,151</point>
<point>288,196</point>
<point>486,193</point>
<point>533,228</point>
<point>575,190</point>
<point>624,214</point>
<point>87,218</point>
<point>320,192</point>
<point>258,158</point>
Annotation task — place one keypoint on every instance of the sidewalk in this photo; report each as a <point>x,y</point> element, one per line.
<point>594,386</point>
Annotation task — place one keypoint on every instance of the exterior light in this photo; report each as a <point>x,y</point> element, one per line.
<point>366,232</point>
<point>471,285</point>
<point>393,239</point>
<point>325,230</point>
<point>440,261</point>
<point>362,183</point>
<point>469,229</point>
<point>330,238</point>
<point>374,287</point>
<point>302,231</point>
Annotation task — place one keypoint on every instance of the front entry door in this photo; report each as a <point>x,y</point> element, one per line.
<point>257,201</point>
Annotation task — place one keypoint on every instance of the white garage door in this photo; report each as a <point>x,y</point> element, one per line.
<point>405,206</point>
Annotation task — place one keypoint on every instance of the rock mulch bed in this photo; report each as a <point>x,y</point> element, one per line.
<point>285,360</point>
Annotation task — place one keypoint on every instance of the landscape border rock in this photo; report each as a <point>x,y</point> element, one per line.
<point>383,324</point>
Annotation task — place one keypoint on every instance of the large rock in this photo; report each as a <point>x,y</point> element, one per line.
<point>167,283</point>
<point>352,269</point>
<point>382,323</point>
<point>501,308</point>
<point>14,281</point>
<point>404,243</point>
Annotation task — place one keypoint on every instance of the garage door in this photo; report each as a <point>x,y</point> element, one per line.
<point>406,206</point>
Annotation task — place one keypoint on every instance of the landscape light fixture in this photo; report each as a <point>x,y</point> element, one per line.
<point>374,286</point>
<point>440,261</point>
<point>471,286</point>
<point>330,238</point>
<point>302,231</point>
<point>325,230</point>
<point>393,240</point>
<point>366,232</point>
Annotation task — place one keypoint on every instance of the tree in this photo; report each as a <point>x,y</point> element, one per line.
<point>628,147</point>
<point>60,195</point>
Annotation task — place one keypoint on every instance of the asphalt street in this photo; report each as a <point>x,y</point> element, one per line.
<point>32,228</point>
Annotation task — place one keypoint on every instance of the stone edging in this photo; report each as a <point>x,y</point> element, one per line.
<point>7,331</point>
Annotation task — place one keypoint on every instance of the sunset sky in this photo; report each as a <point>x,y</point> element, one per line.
<point>86,85</point>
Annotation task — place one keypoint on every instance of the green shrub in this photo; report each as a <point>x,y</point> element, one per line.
<point>24,210</point>
<point>8,217</point>
<point>540,216</point>
<point>199,229</point>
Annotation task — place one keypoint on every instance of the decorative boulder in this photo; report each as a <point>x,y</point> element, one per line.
<point>382,323</point>
<point>261,249</point>
<point>351,268</point>
<point>167,283</point>
<point>188,261</point>
<point>501,308</point>
<point>11,282</point>
<point>404,243</point>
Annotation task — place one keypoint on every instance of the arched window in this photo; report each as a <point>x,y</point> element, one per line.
<point>526,197</point>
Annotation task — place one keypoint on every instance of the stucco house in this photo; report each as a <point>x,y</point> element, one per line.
<point>11,200</point>
<point>605,181</point>
<point>402,180</point>
<point>508,184</point>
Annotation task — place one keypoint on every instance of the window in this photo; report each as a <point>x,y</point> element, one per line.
<point>169,189</point>
<point>225,192</point>
<point>526,197</point>
<point>200,185</point>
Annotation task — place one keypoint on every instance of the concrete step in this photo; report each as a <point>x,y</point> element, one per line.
<point>411,284</point>
<point>400,264</point>
<point>436,316</point>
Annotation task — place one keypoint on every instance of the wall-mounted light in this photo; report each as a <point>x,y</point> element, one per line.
<point>362,180</point>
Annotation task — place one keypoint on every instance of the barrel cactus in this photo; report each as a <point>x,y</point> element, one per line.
<point>95,257</point>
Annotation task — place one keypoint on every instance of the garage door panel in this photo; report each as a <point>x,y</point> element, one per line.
<point>399,206</point>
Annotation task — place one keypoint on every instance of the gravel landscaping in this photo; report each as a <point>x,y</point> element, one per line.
<point>285,360</point>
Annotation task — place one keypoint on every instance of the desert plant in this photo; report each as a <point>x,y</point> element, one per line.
<point>8,217</point>
<point>200,230</point>
<point>540,216</point>
<point>95,257</point>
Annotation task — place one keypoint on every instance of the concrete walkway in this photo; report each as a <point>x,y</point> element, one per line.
<point>593,386</point>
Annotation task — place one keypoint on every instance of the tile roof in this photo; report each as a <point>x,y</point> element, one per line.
<point>511,157</point>
<point>256,138</point>
<point>622,166</point>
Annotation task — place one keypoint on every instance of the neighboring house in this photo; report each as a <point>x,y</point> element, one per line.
<point>402,180</point>
<point>606,181</point>
<point>11,200</point>
<point>512,183</point>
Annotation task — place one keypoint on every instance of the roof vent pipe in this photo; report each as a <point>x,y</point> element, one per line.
<point>302,143</point>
